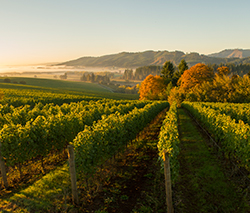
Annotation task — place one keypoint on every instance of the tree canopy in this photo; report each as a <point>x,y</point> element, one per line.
<point>182,66</point>
<point>168,70</point>
<point>196,75</point>
<point>223,70</point>
<point>151,88</point>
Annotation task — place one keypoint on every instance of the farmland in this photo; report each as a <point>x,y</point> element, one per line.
<point>119,144</point>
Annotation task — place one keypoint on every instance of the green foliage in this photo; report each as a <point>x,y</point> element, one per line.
<point>233,137</point>
<point>237,111</point>
<point>22,82</point>
<point>36,132</point>
<point>182,66</point>
<point>54,91</point>
<point>6,80</point>
<point>176,95</point>
<point>168,71</point>
<point>40,197</point>
<point>169,140</point>
<point>94,145</point>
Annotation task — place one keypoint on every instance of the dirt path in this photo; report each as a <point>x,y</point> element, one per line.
<point>202,186</point>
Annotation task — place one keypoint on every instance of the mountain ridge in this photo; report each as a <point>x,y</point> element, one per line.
<point>150,57</point>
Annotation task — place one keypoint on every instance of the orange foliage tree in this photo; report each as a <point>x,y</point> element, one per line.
<point>196,75</point>
<point>223,71</point>
<point>151,87</point>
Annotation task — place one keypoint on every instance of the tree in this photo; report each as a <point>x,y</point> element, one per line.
<point>63,76</point>
<point>83,77</point>
<point>128,74</point>
<point>92,78</point>
<point>6,80</point>
<point>22,82</point>
<point>167,71</point>
<point>182,66</point>
<point>223,71</point>
<point>176,95</point>
<point>151,87</point>
<point>196,75</point>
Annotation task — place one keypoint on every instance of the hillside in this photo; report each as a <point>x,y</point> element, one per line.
<point>127,59</point>
<point>231,53</point>
<point>138,59</point>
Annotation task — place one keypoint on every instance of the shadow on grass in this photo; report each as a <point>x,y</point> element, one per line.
<point>50,192</point>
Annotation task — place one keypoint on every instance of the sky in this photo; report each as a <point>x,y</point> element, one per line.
<point>45,31</point>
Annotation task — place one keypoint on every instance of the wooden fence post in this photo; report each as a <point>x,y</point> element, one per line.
<point>72,171</point>
<point>3,170</point>
<point>168,186</point>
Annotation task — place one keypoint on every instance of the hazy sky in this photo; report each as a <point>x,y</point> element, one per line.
<point>39,31</point>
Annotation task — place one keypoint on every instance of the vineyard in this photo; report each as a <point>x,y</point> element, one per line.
<point>106,134</point>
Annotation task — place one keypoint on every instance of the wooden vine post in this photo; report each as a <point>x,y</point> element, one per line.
<point>72,171</point>
<point>2,167</point>
<point>168,186</point>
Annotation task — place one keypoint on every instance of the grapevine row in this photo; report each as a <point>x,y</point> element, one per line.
<point>23,114</point>
<point>54,130</point>
<point>169,140</point>
<point>237,111</point>
<point>232,137</point>
<point>94,145</point>
<point>31,97</point>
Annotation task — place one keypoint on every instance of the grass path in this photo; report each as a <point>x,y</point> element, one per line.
<point>49,194</point>
<point>202,186</point>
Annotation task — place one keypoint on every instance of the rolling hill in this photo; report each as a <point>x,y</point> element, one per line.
<point>231,53</point>
<point>138,59</point>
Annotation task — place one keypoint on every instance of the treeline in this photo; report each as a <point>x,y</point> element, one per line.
<point>141,72</point>
<point>101,79</point>
<point>201,82</point>
<point>235,69</point>
<point>8,80</point>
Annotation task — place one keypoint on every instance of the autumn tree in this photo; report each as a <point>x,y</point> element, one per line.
<point>196,75</point>
<point>176,95</point>
<point>224,70</point>
<point>151,87</point>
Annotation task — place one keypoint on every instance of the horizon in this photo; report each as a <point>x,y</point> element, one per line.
<point>38,32</point>
<point>58,62</point>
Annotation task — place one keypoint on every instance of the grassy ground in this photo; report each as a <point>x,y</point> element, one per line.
<point>202,185</point>
<point>34,191</point>
<point>60,86</point>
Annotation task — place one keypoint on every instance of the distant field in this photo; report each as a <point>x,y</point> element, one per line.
<point>61,86</point>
